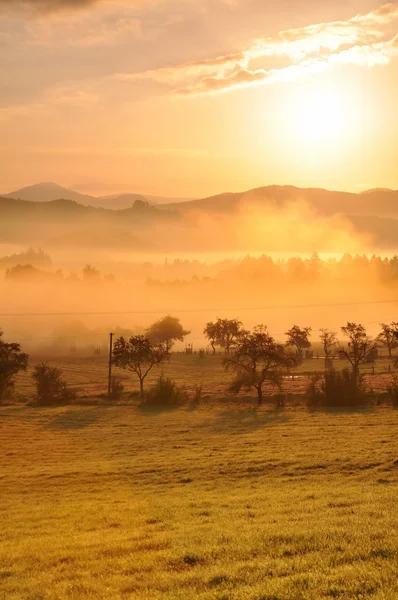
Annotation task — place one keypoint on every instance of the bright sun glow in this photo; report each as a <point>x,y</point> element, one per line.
<point>320,117</point>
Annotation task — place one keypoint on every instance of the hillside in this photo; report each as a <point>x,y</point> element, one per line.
<point>49,191</point>
<point>209,223</point>
<point>381,203</point>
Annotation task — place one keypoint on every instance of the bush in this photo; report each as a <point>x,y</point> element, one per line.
<point>337,389</point>
<point>12,361</point>
<point>314,391</point>
<point>392,391</point>
<point>197,394</point>
<point>165,393</point>
<point>51,388</point>
<point>117,389</point>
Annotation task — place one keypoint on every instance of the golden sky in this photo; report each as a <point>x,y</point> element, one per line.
<point>196,97</point>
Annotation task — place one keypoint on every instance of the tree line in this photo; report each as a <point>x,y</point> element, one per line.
<point>254,356</point>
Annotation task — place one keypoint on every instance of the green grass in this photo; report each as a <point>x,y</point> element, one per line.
<point>223,503</point>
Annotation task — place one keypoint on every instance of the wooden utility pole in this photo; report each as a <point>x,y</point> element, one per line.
<point>110,364</point>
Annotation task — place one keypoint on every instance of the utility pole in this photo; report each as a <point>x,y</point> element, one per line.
<point>110,364</point>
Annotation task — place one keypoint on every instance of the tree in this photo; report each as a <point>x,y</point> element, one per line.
<point>230,332</point>
<point>329,341</point>
<point>211,332</point>
<point>138,355</point>
<point>361,347</point>
<point>51,388</point>
<point>258,358</point>
<point>12,361</point>
<point>388,336</point>
<point>91,273</point>
<point>166,331</point>
<point>298,338</point>
<point>224,333</point>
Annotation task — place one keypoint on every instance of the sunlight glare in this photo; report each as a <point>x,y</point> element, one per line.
<point>320,117</point>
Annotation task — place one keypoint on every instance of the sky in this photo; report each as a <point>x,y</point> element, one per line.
<point>189,98</point>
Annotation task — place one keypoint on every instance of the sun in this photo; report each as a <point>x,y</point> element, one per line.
<point>320,117</point>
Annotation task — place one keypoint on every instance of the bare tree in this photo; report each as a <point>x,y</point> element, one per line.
<point>138,355</point>
<point>258,358</point>
<point>361,347</point>
<point>388,336</point>
<point>329,342</point>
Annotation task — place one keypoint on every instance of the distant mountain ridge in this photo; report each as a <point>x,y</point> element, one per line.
<point>70,223</point>
<point>49,191</point>
<point>378,202</point>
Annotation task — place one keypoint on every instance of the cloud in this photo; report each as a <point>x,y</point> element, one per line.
<point>79,31</point>
<point>218,65</point>
<point>49,5</point>
<point>53,6</point>
<point>362,41</point>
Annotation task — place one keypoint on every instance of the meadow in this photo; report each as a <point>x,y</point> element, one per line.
<point>220,502</point>
<point>89,375</point>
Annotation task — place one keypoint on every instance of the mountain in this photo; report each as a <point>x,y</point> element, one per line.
<point>116,202</point>
<point>371,191</point>
<point>379,203</point>
<point>48,191</point>
<point>179,226</point>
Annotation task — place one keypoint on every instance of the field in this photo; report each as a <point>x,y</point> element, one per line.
<point>218,503</point>
<point>90,374</point>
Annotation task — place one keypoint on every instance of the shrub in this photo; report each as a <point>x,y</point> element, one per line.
<point>392,390</point>
<point>197,394</point>
<point>51,388</point>
<point>12,361</point>
<point>117,389</point>
<point>337,389</point>
<point>314,391</point>
<point>165,393</point>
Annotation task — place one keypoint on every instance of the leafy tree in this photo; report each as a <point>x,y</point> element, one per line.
<point>211,332</point>
<point>329,341</point>
<point>224,333</point>
<point>139,355</point>
<point>51,388</point>
<point>256,359</point>
<point>91,273</point>
<point>12,361</point>
<point>361,347</point>
<point>230,332</point>
<point>298,338</point>
<point>388,336</point>
<point>166,331</point>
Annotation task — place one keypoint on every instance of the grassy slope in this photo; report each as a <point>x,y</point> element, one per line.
<point>222,503</point>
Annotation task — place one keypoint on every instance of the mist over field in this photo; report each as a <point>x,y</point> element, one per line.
<point>198,300</point>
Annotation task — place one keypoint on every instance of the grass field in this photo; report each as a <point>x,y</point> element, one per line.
<point>221,503</point>
<point>90,373</point>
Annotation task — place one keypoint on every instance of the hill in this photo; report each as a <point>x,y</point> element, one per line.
<point>179,226</point>
<point>381,203</point>
<point>49,191</point>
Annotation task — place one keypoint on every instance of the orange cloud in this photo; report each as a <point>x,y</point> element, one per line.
<point>360,41</point>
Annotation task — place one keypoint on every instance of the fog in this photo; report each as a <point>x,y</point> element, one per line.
<point>276,265</point>
<point>53,310</point>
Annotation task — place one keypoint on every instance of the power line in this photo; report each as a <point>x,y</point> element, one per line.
<point>199,310</point>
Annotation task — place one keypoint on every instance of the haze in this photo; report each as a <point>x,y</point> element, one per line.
<point>188,99</point>
<point>202,132</point>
